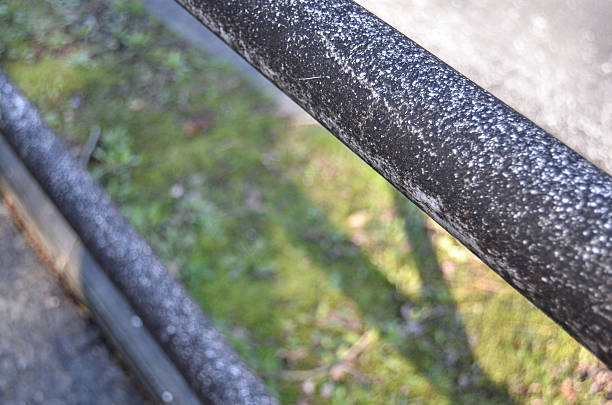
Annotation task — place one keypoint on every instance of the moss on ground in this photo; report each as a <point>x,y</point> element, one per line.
<point>331,285</point>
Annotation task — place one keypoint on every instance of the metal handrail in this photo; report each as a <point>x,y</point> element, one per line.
<point>535,211</point>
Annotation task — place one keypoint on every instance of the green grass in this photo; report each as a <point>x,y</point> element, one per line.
<point>329,283</point>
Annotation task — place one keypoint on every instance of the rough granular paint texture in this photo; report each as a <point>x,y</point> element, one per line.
<point>534,210</point>
<point>209,364</point>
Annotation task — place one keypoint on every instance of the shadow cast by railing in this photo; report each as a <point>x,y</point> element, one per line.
<point>440,322</point>
<point>437,345</point>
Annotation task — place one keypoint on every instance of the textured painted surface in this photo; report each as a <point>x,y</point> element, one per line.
<point>215,371</point>
<point>531,208</point>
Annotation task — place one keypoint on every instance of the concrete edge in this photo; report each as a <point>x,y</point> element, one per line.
<point>90,284</point>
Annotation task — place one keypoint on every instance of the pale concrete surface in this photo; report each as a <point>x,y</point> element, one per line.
<point>49,354</point>
<point>549,59</point>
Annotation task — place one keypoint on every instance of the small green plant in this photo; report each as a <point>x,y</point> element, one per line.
<point>115,163</point>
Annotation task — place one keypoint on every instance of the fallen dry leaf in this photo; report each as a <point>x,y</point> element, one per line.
<point>567,390</point>
<point>198,125</point>
<point>358,219</point>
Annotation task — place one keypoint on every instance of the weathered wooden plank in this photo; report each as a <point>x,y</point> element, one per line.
<point>86,280</point>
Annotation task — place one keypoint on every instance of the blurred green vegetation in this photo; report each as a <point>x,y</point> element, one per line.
<point>331,285</point>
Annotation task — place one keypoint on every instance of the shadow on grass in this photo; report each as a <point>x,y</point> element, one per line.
<point>432,337</point>
<point>431,333</point>
<point>450,364</point>
<point>435,341</point>
<point>347,266</point>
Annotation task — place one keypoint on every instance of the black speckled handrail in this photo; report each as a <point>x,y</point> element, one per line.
<point>531,208</point>
<point>199,351</point>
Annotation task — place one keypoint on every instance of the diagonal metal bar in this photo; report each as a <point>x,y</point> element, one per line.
<point>535,211</point>
<point>200,352</point>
